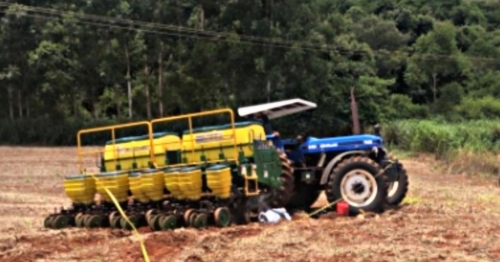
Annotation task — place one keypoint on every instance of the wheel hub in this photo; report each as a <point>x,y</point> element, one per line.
<point>358,187</point>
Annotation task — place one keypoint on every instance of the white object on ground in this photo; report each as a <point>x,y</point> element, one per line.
<point>274,216</point>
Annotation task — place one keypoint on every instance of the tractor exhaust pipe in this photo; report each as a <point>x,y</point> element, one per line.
<point>354,110</point>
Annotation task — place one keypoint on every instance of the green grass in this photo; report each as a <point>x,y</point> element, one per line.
<point>467,147</point>
<point>412,200</point>
<point>401,154</point>
<point>438,137</point>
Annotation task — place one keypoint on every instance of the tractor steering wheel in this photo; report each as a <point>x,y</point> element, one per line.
<point>301,138</point>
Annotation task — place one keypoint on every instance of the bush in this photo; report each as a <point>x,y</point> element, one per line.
<point>401,107</point>
<point>467,147</point>
<point>479,108</point>
<point>441,138</point>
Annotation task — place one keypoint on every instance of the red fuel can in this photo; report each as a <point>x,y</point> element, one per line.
<point>343,208</point>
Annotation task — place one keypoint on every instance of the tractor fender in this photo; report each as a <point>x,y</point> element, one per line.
<point>328,169</point>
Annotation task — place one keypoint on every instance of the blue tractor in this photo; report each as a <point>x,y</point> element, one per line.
<point>356,168</point>
<point>227,173</point>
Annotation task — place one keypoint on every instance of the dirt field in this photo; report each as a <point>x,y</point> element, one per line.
<point>445,218</point>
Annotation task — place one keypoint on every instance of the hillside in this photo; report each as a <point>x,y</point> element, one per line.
<point>68,64</point>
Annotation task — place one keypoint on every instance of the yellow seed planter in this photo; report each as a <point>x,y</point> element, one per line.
<point>80,189</point>
<point>219,180</point>
<point>134,181</point>
<point>190,182</point>
<point>116,182</point>
<point>171,178</point>
<point>152,184</point>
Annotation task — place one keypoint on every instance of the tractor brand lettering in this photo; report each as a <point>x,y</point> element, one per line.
<point>328,145</point>
<point>312,147</point>
<point>217,136</point>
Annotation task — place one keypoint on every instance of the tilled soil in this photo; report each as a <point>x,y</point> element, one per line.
<point>445,218</point>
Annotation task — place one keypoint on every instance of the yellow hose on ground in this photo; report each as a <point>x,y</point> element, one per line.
<point>141,240</point>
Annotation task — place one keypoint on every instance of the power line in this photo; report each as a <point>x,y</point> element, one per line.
<point>179,31</point>
<point>189,34</point>
<point>177,34</point>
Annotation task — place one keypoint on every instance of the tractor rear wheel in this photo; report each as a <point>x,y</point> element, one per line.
<point>358,181</point>
<point>242,207</point>
<point>304,197</point>
<point>398,189</point>
<point>237,205</point>
<point>286,190</point>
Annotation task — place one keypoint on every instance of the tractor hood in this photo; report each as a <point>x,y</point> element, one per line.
<point>342,143</point>
<point>278,109</point>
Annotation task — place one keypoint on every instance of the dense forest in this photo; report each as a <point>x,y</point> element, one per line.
<point>70,64</point>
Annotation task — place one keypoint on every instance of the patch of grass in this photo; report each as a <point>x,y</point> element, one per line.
<point>489,198</point>
<point>489,202</point>
<point>412,200</point>
<point>466,147</point>
<point>439,137</point>
<point>401,154</point>
<point>480,164</point>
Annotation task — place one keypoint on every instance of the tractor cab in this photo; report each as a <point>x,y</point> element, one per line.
<point>264,113</point>
<point>297,148</point>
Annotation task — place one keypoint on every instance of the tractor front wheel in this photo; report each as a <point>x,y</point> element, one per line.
<point>358,181</point>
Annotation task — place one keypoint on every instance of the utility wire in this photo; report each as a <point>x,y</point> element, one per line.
<point>177,34</point>
<point>96,20</point>
<point>428,57</point>
<point>154,26</point>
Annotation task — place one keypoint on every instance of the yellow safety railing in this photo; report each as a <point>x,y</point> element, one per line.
<point>190,117</point>
<point>113,129</point>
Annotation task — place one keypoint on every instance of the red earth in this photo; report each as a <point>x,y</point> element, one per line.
<point>445,217</point>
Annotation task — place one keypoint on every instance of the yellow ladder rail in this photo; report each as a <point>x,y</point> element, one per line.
<point>250,177</point>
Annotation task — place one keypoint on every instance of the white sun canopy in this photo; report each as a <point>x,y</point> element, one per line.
<point>278,109</point>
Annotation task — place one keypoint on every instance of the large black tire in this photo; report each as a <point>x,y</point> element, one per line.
<point>362,172</point>
<point>242,207</point>
<point>303,197</point>
<point>397,191</point>
<point>238,208</point>
<point>285,192</point>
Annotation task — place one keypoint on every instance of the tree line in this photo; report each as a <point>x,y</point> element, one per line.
<point>70,64</point>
